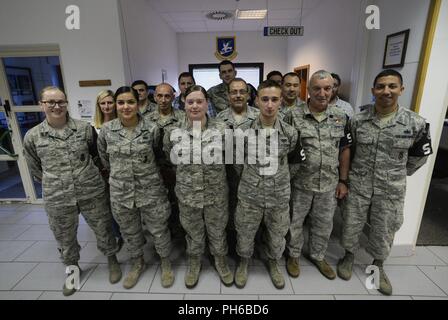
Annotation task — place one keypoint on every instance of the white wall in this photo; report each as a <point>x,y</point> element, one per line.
<point>151,43</point>
<point>329,40</point>
<point>92,52</point>
<point>395,18</point>
<point>200,47</point>
<point>433,108</point>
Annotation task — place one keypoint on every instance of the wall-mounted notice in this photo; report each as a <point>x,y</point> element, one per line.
<point>283,31</point>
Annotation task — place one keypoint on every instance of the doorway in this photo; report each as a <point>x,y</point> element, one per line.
<point>433,228</point>
<point>304,74</point>
<point>23,74</point>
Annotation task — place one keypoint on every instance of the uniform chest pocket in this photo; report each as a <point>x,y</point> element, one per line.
<point>43,149</point>
<point>79,147</point>
<point>308,133</point>
<point>337,132</point>
<point>283,147</point>
<point>400,149</point>
<point>144,152</point>
<point>402,143</point>
<point>113,149</point>
<point>364,144</point>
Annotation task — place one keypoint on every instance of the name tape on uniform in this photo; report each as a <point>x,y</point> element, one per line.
<point>283,31</point>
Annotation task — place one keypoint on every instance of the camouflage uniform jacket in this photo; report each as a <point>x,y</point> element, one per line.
<point>269,191</point>
<point>148,109</point>
<point>65,161</point>
<point>219,97</point>
<point>199,185</point>
<point>131,159</point>
<point>284,110</point>
<point>229,120</point>
<point>322,142</point>
<point>176,119</point>
<point>383,154</point>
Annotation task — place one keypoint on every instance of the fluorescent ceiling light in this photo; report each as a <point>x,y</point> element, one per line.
<point>251,14</point>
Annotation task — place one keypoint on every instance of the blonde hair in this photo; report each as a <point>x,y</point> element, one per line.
<point>98,119</point>
<point>49,88</point>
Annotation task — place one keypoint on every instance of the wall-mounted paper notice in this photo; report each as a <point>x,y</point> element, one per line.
<point>85,108</point>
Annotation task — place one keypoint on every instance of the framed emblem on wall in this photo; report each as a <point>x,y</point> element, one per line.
<point>226,48</point>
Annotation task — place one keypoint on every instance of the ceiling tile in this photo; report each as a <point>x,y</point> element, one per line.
<point>283,14</point>
<point>187,16</point>
<point>191,24</point>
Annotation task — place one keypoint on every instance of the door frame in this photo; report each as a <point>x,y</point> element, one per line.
<point>5,94</point>
<point>304,75</point>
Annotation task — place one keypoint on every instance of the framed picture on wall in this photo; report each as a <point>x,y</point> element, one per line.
<point>395,49</point>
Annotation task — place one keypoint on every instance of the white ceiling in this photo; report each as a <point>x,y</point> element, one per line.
<point>189,15</point>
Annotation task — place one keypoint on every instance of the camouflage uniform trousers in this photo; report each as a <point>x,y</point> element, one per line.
<point>385,216</point>
<point>320,207</point>
<point>155,216</point>
<point>169,180</point>
<point>276,222</point>
<point>64,224</point>
<point>210,220</point>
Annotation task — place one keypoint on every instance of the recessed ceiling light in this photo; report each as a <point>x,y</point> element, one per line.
<point>251,14</point>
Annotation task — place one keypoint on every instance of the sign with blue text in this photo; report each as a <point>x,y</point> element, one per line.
<point>283,31</point>
<point>226,48</point>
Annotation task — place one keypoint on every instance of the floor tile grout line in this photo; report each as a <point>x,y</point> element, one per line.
<point>26,249</point>
<point>446,263</point>
<point>88,276</point>
<point>17,222</point>
<point>35,266</point>
<point>446,294</point>
<point>29,227</point>
<point>290,282</point>
<point>154,277</point>
<point>42,293</point>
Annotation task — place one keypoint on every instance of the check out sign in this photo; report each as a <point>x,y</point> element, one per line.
<point>283,31</point>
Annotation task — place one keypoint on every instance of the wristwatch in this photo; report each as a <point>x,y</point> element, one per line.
<point>344,181</point>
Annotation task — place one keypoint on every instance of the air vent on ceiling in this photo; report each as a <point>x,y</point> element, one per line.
<point>219,15</point>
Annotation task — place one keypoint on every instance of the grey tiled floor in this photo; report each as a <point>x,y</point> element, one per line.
<point>30,269</point>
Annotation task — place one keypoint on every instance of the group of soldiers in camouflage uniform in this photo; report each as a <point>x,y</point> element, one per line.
<point>321,157</point>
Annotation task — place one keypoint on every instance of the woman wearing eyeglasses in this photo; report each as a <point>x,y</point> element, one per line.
<point>128,147</point>
<point>201,188</point>
<point>61,153</point>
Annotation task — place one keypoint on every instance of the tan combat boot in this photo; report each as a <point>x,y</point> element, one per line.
<point>345,266</point>
<point>385,285</point>
<point>192,275</point>
<point>241,273</point>
<point>138,266</point>
<point>223,270</point>
<point>324,268</point>
<point>292,266</point>
<point>276,275</point>
<point>167,273</point>
<point>114,269</point>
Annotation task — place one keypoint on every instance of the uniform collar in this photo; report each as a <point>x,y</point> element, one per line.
<point>250,114</point>
<point>116,124</point>
<point>258,125</point>
<point>67,131</point>
<point>370,115</point>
